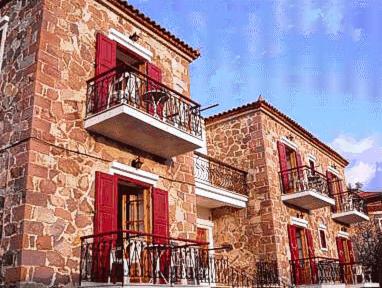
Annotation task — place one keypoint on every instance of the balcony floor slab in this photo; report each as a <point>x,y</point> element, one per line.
<point>131,126</point>
<point>212,197</point>
<point>350,217</point>
<point>308,200</point>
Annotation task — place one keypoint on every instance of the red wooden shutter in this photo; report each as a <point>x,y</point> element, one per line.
<point>106,59</point>
<point>313,266</point>
<point>106,52</point>
<point>294,253</point>
<point>155,73</point>
<point>105,220</point>
<point>351,251</point>
<point>160,214</point>
<point>300,170</point>
<point>283,166</point>
<point>105,204</point>
<point>340,250</point>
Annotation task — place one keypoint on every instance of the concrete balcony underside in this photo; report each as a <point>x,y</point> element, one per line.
<point>211,196</point>
<point>131,126</point>
<point>350,217</point>
<point>308,200</point>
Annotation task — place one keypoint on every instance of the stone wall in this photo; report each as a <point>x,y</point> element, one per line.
<point>249,141</point>
<point>273,131</point>
<point>61,157</point>
<point>16,100</point>
<point>239,142</point>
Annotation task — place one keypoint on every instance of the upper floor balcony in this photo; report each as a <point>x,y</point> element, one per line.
<point>130,107</point>
<point>305,188</point>
<point>350,208</point>
<point>219,184</point>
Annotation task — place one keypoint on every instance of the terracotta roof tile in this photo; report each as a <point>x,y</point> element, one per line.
<point>261,103</point>
<point>151,24</point>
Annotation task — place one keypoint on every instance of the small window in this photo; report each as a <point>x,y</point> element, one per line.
<point>322,235</point>
<point>3,31</point>
<point>312,167</point>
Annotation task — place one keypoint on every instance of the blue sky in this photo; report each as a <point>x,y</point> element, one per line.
<point>320,62</point>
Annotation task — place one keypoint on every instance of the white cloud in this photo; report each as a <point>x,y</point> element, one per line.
<point>333,17</point>
<point>361,172</point>
<point>365,155</point>
<point>348,144</point>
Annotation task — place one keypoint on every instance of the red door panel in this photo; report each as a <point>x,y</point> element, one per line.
<point>294,254</point>
<point>161,226</point>
<point>313,267</point>
<point>105,220</point>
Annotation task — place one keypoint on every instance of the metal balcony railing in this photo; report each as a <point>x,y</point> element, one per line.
<point>220,174</point>
<point>129,257</point>
<point>322,270</point>
<point>303,178</point>
<point>126,85</point>
<point>349,201</point>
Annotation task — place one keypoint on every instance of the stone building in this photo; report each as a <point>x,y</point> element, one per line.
<point>298,206</point>
<point>99,178</point>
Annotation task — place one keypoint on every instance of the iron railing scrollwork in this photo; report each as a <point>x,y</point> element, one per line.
<point>220,174</point>
<point>126,85</point>
<point>303,178</point>
<point>349,201</point>
<point>322,270</point>
<point>127,257</point>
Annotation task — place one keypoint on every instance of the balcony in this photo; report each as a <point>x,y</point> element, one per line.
<point>322,271</point>
<point>130,258</point>
<point>128,106</point>
<point>350,208</point>
<point>218,184</point>
<point>304,188</point>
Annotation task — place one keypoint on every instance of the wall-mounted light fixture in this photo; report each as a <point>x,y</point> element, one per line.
<point>134,37</point>
<point>290,137</point>
<point>137,163</point>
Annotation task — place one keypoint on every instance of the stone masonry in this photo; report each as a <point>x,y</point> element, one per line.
<point>247,138</point>
<point>47,159</point>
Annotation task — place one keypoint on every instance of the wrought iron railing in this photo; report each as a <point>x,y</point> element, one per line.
<point>128,257</point>
<point>349,201</point>
<point>126,85</point>
<point>220,174</point>
<point>303,178</point>
<point>321,270</point>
